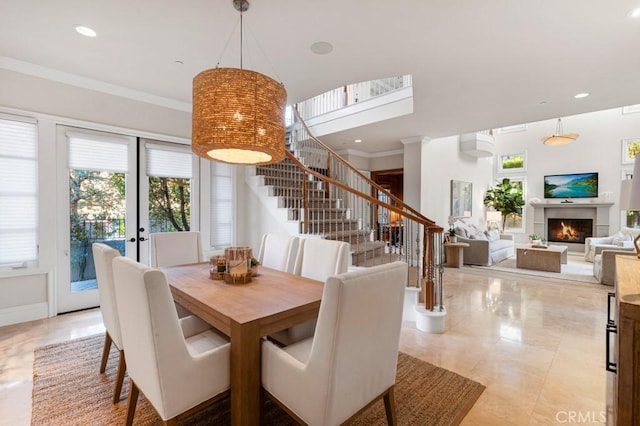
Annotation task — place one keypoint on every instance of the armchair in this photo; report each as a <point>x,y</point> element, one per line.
<point>622,240</point>
<point>351,360</point>
<point>604,265</point>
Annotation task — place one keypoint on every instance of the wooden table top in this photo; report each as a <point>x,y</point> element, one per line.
<point>270,293</point>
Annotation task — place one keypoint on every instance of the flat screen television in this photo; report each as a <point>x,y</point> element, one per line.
<point>574,185</point>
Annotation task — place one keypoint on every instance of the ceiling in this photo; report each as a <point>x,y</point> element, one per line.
<point>475,64</point>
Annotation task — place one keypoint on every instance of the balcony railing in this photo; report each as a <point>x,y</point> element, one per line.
<point>347,95</point>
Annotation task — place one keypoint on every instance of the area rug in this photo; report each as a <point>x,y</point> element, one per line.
<point>69,390</point>
<point>576,269</point>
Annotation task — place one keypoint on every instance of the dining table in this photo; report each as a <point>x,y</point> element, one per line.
<point>273,301</point>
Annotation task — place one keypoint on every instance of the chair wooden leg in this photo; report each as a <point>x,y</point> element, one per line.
<point>131,404</point>
<point>105,352</point>
<point>390,407</point>
<point>122,367</point>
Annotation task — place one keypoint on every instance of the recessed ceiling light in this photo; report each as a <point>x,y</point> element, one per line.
<point>179,62</point>
<point>581,95</point>
<point>358,140</point>
<point>85,31</point>
<point>321,48</point>
<point>635,13</point>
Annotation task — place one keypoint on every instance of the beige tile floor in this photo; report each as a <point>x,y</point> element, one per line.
<point>536,344</point>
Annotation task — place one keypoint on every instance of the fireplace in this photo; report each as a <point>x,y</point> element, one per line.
<point>567,230</point>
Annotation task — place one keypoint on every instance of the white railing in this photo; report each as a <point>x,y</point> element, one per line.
<point>347,95</point>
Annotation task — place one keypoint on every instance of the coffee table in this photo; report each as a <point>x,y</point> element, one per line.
<point>541,259</point>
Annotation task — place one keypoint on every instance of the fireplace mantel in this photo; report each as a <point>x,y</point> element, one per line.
<point>567,205</point>
<point>598,211</point>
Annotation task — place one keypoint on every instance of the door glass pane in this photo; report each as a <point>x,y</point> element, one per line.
<point>169,204</point>
<point>97,214</point>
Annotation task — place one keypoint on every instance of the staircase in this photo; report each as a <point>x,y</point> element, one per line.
<point>319,214</point>
<point>329,198</point>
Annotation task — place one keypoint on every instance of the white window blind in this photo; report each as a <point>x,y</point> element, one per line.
<point>18,192</point>
<point>168,162</point>
<point>101,155</point>
<point>221,204</point>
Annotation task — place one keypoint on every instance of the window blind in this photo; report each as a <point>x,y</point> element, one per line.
<point>18,193</point>
<point>221,204</point>
<point>100,155</point>
<point>167,162</point>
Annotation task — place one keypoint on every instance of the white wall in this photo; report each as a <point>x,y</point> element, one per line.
<point>443,162</point>
<point>598,149</point>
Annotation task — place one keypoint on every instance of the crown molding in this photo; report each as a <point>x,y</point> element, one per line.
<point>371,155</point>
<point>90,84</point>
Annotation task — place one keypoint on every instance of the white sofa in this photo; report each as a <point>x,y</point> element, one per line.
<point>621,240</point>
<point>485,247</point>
<point>604,265</point>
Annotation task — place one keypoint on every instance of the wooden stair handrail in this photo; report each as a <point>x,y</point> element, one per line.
<point>367,197</point>
<point>357,172</point>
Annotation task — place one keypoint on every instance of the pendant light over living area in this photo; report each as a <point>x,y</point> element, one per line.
<point>559,138</point>
<point>238,115</point>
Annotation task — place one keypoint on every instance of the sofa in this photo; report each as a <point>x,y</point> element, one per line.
<point>604,265</point>
<point>621,240</point>
<point>485,247</point>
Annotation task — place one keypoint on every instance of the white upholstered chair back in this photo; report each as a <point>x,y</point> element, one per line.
<point>175,248</point>
<point>351,360</point>
<point>319,259</point>
<point>103,256</point>
<point>158,357</point>
<point>278,252</point>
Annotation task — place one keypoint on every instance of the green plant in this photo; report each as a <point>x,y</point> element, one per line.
<point>452,231</point>
<point>505,197</point>
<point>535,236</point>
<point>254,261</point>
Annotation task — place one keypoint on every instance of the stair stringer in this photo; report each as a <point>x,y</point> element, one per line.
<point>270,203</point>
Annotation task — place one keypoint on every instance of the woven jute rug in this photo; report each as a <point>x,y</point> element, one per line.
<point>69,390</point>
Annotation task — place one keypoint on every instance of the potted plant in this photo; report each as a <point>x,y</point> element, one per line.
<point>452,230</point>
<point>254,266</point>
<point>452,235</point>
<point>535,239</point>
<point>505,197</point>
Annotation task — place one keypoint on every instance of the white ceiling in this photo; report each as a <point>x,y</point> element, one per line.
<point>475,64</point>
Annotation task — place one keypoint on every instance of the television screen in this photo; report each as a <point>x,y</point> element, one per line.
<point>575,185</point>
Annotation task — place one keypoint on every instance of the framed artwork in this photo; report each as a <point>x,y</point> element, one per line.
<point>461,198</point>
<point>512,163</point>
<point>630,148</point>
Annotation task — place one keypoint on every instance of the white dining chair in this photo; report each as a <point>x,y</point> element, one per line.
<point>351,359</point>
<point>317,259</point>
<point>175,248</point>
<point>103,256</point>
<point>278,252</point>
<point>178,364</point>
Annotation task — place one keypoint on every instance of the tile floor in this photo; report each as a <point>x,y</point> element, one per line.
<point>537,345</point>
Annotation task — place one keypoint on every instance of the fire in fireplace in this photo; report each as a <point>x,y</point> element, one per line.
<point>569,230</point>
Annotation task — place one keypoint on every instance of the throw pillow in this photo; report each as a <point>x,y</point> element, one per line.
<point>461,231</point>
<point>479,236</point>
<point>492,235</point>
<point>620,237</point>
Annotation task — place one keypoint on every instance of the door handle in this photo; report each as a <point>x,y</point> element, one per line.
<point>610,365</point>
<point>142,239</point>
<point>132,239</point>
<point>140,229</point>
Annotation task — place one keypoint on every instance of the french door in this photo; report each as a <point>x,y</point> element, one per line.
<point>114,189</point>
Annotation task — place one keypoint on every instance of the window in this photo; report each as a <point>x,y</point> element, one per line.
<point>221,204</point>
<point>18,192</point>
<point>517,222</point>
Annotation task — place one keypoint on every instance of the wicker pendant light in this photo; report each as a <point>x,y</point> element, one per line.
<point>238,115</point>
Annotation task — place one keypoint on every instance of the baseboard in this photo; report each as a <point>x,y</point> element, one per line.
<point>25,313</point>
